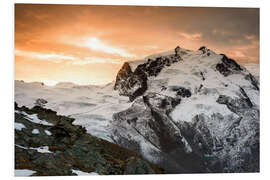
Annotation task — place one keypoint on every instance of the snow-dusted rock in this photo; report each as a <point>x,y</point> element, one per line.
<point>134,84</point>
<point>40,102</point>
<point>23,172</point>
<point>35,131</point>
<point>198,114</point>
<point>147,128</point>
<point>19,126</point>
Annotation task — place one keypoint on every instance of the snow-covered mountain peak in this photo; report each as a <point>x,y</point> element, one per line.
<point>192,69</point>
<point>192,104</point>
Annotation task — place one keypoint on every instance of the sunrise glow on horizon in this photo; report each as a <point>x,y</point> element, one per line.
<point>87,44</point>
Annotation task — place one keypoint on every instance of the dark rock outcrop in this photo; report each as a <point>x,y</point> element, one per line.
<point>181,91</point>
<point>228,66</point>
<point>203,49</point>
<point>41,102</point>
<point>236,105</point>
<point>134,84</point>
<point>177,51</point>
<point>69,148</point>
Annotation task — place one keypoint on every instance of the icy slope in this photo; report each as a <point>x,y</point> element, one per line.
<point>192,111</point>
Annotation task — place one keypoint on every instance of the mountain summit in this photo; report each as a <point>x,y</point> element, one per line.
<point>192,111</point>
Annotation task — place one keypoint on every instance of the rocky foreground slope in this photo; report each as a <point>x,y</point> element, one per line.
<point>47,144</point>
<point>192,111</point>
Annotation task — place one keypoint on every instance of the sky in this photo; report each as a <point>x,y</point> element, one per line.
<point>87,44</point>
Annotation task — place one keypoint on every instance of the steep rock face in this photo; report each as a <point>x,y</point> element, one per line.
<point>253,81</point>
<point>228,66</point>
<point>200,114</point>
<point>148,119</point>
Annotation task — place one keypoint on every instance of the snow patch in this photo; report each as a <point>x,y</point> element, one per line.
<point>48,132</point>
<point>19,126</point>
<point>23,172</point>
<point>81,173</point>
<point>34,118</point>
<point>187,148</point>
<point>35,131</point>
<point>200,104</point>
<point>42,149</point>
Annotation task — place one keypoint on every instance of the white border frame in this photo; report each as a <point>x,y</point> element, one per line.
<point>7,80</point>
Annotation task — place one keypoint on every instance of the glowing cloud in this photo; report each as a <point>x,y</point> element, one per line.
<point>195,36</point>
<point>50,56</point>
<point>93,60</point>
<point>96,44</point>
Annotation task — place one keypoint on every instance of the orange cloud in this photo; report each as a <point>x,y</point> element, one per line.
<point>42,56</point>
<point>191,36</point>
<point>96,44</point>
<point>92,60</point>
<point>88,44</point>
